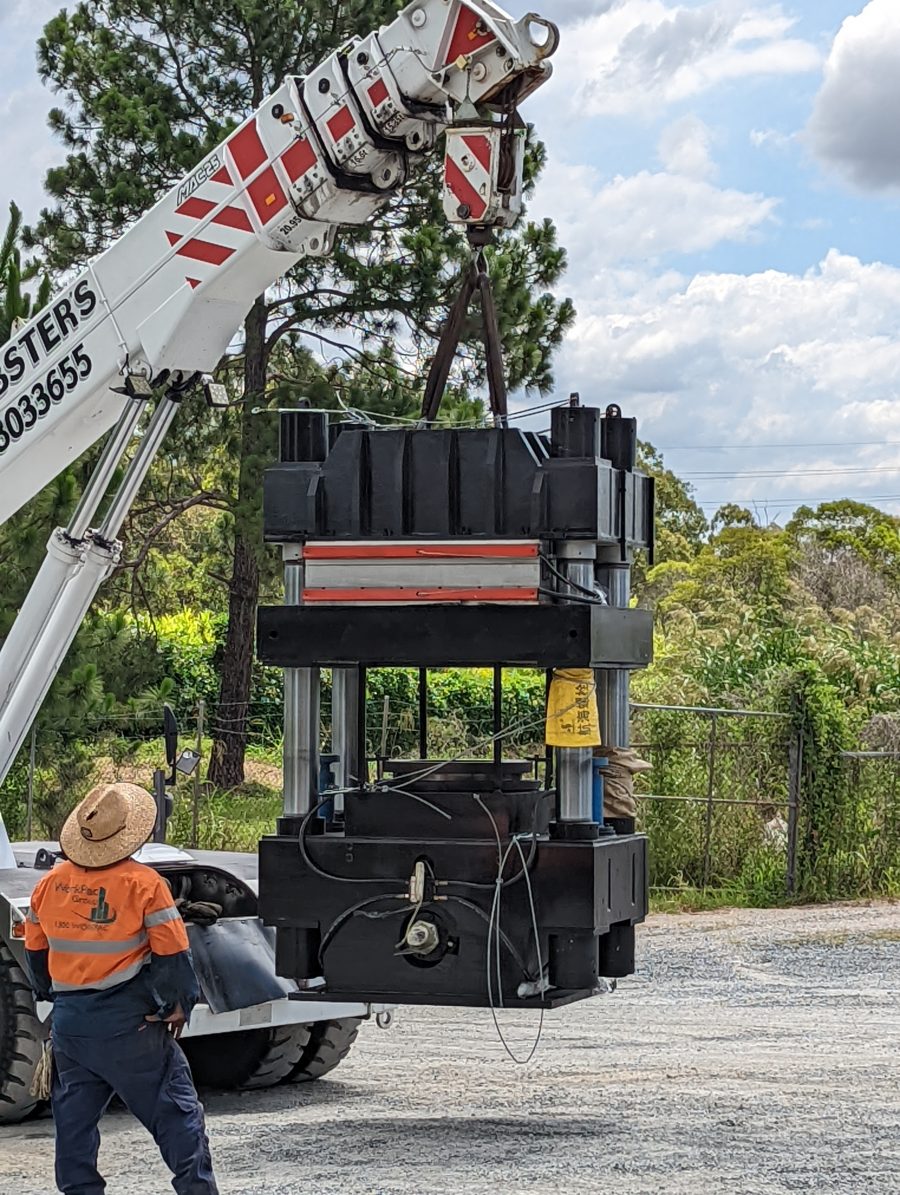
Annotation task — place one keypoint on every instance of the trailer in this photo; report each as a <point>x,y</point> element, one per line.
<point>246,1032</point>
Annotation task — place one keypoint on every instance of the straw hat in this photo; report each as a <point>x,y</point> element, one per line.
<point>111,823</point>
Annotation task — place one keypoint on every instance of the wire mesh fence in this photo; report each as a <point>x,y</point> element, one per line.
<point>851,841</point>
<point>720,805</point>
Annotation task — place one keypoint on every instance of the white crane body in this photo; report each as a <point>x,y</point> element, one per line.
<point>154,313</point>
<point>162,304</point>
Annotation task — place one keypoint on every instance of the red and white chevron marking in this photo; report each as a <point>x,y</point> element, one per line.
<point>222,236</point>
<point>266,191</point>
<point>467,173</point>
<point>469,34</point>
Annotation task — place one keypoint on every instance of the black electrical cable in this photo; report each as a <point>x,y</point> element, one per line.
<point>542,796</point>
<point>517,958</point>
<point>571,597</point>
<point>391,788</point>
<point>320,871</point>
<point>340,921</point>
<point>568,580</point>
<point>327,875</point>
<point>355,910</point>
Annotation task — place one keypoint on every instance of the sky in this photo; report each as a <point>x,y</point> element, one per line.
<point>725,176</point>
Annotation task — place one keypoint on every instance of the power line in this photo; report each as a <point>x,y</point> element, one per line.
<point>730,474</point>
<point>782,444</point>
<point>804,501</point>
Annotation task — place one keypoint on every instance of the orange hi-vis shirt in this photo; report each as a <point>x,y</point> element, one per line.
<point>101,925</point>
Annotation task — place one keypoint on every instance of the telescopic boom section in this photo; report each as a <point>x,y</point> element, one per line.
<point>323,151</point>
<point>161,305</point>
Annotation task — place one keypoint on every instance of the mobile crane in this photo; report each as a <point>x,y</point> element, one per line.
<point>150,318</point>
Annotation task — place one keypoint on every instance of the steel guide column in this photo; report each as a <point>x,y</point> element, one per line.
<point>614,684</point>
<point>345,726</point>
<point>575,764</point>
<point>301,710</point>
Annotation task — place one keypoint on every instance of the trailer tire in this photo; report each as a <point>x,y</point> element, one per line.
<point>329,1044</point>
<point>283,1054</point>
<point>21,1041</point>
<point>246,1060</point>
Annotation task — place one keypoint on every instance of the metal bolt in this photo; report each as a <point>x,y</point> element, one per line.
<point>479,72</point>
<point>324,86</point>
<point>418,18</point>
<point>423,937</point>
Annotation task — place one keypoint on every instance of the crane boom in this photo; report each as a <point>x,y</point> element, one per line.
<point>160,306</point>
<point>323,151</point>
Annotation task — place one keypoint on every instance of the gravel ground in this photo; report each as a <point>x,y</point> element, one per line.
<point>754,1052</point>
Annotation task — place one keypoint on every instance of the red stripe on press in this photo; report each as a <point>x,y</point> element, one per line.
<point>463,190</point>
<point>222,176</point>
<point>378,93</point>
<point>341,123</point>
<point>357,596</point>
<point>481,148</point>
<point>298,158</point>
<point>466,39</point>
<point>214,255</point>
<point>174,237</point>
<point>267,196</point>
<point>247,150</point>
<point>193,283</point>
<point>419,551</point>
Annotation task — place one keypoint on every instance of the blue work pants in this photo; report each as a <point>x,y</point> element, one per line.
<point>147,1070</point>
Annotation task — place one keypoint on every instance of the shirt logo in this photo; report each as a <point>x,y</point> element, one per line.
<point>101,913</point>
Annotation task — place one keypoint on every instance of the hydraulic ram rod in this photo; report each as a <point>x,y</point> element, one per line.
<point>76,585</point>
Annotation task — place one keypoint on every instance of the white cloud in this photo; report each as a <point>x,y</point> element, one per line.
<point>639,55</point>
<point>761,138</point>
<point>25,140</point>
<point>642,218</point>
<point>728,358</point>
<point>684,148</point>
<point>854,126</point>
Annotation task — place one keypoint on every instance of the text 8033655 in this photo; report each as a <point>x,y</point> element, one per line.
<point>24,412</point>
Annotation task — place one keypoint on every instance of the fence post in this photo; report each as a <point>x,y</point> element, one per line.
<point>385,721</point>
<point>795,772</point>
<point>29,811</point>
<point>195,816</point>
<point>707,846</point>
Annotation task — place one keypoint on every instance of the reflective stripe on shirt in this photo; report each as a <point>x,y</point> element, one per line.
<point>161,917</point>
<point>98,946</point>
<point>111,981</point>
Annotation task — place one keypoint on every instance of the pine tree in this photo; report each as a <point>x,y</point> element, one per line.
<point>16,304</point>
<point>149,88</point>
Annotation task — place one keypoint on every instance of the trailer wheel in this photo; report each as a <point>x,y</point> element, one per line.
<point>246,1060</point>
<point>21,1041</point>
<point>329,1044</point>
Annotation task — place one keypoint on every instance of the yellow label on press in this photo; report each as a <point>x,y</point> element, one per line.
<point>573,719</point>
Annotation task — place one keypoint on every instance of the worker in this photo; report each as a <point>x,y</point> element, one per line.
<point>107,945</point>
